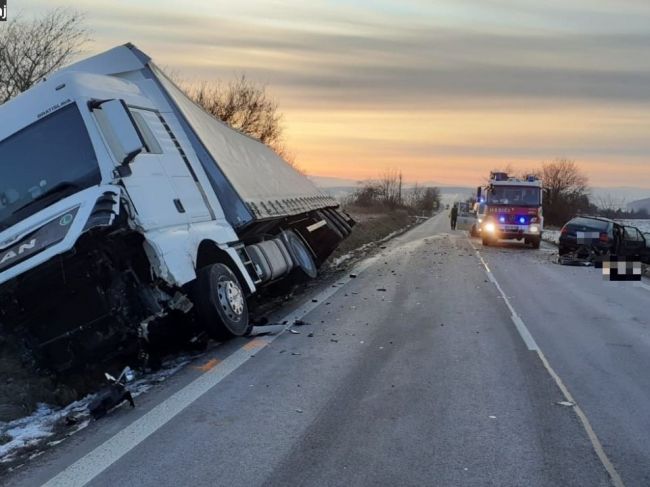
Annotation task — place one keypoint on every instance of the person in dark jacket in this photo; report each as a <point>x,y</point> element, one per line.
<point>453,215</point>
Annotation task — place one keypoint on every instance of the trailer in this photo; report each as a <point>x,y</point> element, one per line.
<point>126,208</point>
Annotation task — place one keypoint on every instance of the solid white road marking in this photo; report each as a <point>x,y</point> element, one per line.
<point>519,324</point>
<point>94,463</point>
<point>532,345</point>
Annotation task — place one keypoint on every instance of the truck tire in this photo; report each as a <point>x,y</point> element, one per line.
<point>301,255</point>
<point>220,303</point>
<point>485,241</point>
<point>535,242</point>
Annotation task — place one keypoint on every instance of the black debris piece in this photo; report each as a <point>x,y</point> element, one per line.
<point>109,397</point>
<point>353,276</point>
<point>301,323</point>
<point>381,289</point>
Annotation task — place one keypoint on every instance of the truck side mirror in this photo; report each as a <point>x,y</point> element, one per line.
<point>119,129</point>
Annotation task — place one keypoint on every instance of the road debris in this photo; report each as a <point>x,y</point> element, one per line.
<point>565,403</point>
<point>112,395</point>
<point>294,332</point>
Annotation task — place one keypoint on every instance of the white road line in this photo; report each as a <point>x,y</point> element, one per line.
<point>94,463</point>
<point>519,323</point>
<point>532,345</point>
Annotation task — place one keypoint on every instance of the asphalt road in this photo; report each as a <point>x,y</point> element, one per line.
<point>412,373</point>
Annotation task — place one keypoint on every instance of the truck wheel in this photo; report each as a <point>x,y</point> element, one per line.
<point>485,241</point>
<point>301,255</point>
<point>221,303</point>
<point>535,242</point>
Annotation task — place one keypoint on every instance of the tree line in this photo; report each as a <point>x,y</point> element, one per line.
<point>389,192</point>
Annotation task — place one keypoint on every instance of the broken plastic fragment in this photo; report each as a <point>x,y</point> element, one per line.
<point>565,403</point>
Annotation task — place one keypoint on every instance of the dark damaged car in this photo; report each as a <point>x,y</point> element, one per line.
<point>587,237</point>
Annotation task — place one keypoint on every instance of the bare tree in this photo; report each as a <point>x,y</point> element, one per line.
<point>32,49</point>
<point>390,184</point>
<point>245,106</point>
<point>566,190</point>
<point>242,104</point>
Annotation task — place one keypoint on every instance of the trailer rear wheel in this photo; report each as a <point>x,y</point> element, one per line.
<point>301,255</point>
<point>221,303</point>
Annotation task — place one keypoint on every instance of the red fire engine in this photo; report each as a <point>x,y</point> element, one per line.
<point>510,208</point>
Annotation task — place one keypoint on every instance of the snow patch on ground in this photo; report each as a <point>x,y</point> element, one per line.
<point>551,235</point>
<point>29,434</point>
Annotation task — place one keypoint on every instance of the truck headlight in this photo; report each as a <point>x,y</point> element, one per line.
<point>489,227</point>
<point>534,229</point>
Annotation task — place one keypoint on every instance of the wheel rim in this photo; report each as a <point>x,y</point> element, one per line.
<point>231,299</point>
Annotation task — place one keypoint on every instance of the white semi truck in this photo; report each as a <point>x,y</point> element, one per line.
<point>122,204</point>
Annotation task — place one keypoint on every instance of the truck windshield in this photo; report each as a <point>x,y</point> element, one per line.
<point>44,162</point>
<point>514,195</point>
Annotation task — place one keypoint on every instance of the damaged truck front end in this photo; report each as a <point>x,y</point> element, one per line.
<point>92,302</point>
<point>75,283</point>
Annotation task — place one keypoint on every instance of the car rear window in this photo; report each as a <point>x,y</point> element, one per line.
<point>588,223</point>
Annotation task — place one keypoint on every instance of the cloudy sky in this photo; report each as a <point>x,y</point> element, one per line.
<point>443,89</point>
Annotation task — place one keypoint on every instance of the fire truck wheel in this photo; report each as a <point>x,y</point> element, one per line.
<point>486,241</point>
<point>220,302</point>
<point>535,242</point>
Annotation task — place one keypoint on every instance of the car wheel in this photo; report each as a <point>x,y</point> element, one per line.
<point>221,303</point>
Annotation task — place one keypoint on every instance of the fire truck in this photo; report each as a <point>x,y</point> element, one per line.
<point>510,209</point>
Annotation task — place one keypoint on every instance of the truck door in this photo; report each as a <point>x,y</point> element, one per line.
<point>162,187</point>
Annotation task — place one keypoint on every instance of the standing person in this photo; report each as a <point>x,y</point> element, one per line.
<point>453,215</point>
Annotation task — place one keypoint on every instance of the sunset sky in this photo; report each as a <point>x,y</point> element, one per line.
<point>443,89</point>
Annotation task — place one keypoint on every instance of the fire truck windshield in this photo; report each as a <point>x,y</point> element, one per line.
<point>514,195</point>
